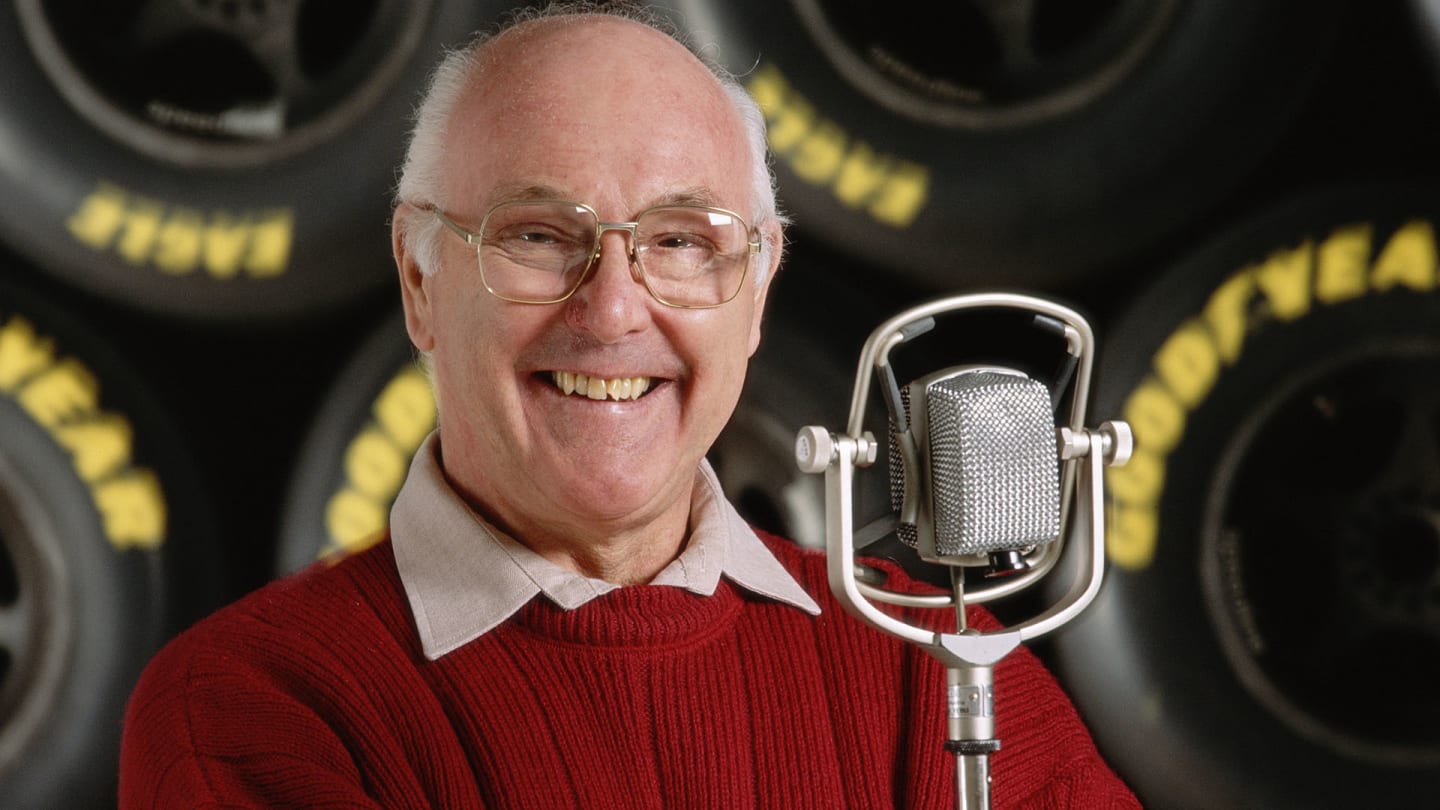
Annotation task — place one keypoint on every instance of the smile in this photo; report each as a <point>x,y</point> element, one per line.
<point>581,385</point>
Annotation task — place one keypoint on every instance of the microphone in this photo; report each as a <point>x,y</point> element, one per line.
<point>983,475</point>
<point>986,438</point>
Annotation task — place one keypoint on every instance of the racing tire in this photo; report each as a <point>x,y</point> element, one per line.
<point>211,161</point>
<point>107,547</point>
<point>952,146</point>
<point>1267,635</point>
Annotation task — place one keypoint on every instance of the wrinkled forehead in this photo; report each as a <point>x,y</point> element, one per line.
<point>581,100</point>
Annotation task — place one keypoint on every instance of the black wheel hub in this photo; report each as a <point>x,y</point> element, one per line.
<point>1322,555</point>
<point>987,63</point>
<point>36,618</point>
<point>216,82</point>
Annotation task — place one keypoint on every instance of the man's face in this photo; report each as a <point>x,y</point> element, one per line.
<point>617,116</point>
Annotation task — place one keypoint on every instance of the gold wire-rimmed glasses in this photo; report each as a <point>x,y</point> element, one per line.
<point>541,251</point>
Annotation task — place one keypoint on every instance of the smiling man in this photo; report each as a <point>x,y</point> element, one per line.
<point>567,611</point>
<point>657,318</point>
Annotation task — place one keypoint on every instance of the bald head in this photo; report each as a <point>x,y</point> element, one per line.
<point>574,77</point>
<point>577,81</point>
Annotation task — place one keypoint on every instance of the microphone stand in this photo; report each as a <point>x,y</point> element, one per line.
<point>970,709</point>
<point>968,656</point>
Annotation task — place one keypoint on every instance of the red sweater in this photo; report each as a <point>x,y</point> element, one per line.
<point>313,692</point>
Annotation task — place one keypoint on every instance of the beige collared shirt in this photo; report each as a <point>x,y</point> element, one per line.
<point>464,576</point>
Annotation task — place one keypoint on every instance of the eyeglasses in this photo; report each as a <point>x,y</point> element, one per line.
<point>540,251</point>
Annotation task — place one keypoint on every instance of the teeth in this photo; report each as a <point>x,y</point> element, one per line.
<point>597,388</point>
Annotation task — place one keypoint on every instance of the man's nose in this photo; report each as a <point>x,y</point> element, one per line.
<point>613,300</point>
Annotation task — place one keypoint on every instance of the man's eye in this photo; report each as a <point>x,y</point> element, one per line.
<point>680,241</point>
<point>537,237</point>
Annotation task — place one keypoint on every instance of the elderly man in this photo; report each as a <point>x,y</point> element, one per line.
<point>568,613</point>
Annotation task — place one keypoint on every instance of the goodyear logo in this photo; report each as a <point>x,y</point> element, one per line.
<point>62,396</point>
<point>179,241</point>
<point>377,460</point>
<point>891,190</point>
<point>1285,287</point>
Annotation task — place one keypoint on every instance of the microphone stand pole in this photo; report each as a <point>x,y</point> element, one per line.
<point>970,709</point>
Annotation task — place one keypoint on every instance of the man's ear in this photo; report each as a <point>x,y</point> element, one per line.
<point>774,245</point>
<point>414,285</point>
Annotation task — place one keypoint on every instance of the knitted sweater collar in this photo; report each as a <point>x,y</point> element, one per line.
<point>463,576</point>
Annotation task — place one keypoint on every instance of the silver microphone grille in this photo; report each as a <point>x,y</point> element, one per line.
<point>905,531</point>
<point>993,463</point>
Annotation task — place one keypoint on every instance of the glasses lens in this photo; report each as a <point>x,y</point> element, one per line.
<point>535,251</point>
<point>692,256</point>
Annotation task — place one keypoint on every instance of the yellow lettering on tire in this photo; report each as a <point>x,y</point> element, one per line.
<point>373,465</point>
<point>177,249</point>
<point>99,446</point>
<point>1187,365</point>
<point>1284,278</point>
<point>132,509</point>
<point>1228,313</point>
<point>903,194</point>
<point>351,519</point>
<point>270,240</point>
<point>406,409</point>
<point>1141,480</point>
<point>789,116</point>
<point>178,240</point>
<point>769,89</point>
<point>821,153</point>
<point>98,219</point>
<point>1156,418</point>
<point>62,396</point>
<point>377,460</point>
<point>225,239</point>
<point>1131,535</point>
<point>138,231</point>
<point>22,353</point>
<point>1341,265</point>
<point>63,391</point>
<point>1408,260</point>
<point>861,176</point>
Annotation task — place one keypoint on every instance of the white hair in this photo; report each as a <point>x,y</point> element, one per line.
<point>423,172</point>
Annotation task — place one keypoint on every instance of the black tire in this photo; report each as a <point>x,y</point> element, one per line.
<point>1268,635</point>
<point>120,176</point>
<point>106,548</point>
<point>930,145</point>
<point>380,408</point>
<point>357,452</point>
<point>797,377</point>
<point>1425,15</point>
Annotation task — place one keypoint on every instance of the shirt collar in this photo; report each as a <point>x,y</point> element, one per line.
<point>464,576</point>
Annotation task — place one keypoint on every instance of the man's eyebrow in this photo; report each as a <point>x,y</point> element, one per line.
<point>694,195</point>
<point>528,192</point>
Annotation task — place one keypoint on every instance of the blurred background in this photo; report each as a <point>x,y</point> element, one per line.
<point>204,383</point>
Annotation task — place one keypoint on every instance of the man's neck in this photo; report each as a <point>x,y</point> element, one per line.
<point>619,560</point>
<point>623,552</point>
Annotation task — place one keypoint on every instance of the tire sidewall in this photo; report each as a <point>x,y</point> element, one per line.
<point>337,193</point>
<point>1146,664</point>
<point>1035,204</point>
<point>121,583</point>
